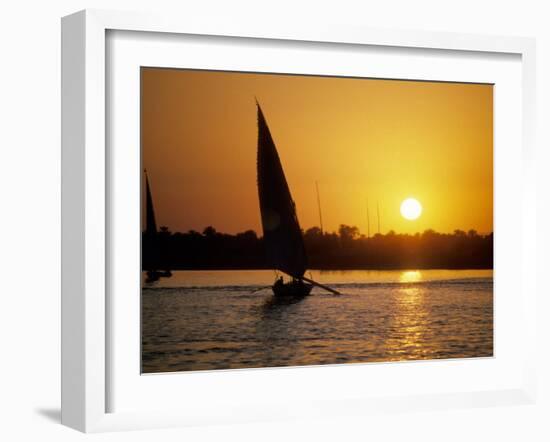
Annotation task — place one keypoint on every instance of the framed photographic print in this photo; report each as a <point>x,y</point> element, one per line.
<point>267,223</point>
<point>247,272</point>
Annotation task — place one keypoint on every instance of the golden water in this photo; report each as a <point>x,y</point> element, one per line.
<point>203,320</point>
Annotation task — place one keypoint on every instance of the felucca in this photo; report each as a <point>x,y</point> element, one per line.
<point>283,239</point>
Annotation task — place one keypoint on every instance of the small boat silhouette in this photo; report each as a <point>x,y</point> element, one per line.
<point>151,238</point>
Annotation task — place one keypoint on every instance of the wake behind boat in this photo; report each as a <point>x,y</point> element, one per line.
<point>283,238</point>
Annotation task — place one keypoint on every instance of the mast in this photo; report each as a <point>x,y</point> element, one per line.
<point>319,206</point>
<point>368,220</point>
<point>378,214</point>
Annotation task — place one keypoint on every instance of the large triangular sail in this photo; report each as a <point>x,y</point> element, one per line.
<point>282,235</point>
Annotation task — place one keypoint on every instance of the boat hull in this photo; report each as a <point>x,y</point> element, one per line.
<point>155,275</point>
<point>295,289</point>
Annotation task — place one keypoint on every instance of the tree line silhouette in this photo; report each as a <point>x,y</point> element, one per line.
<point>343,250</point>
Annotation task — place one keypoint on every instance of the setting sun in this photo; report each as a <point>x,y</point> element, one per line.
<point>411,209</point>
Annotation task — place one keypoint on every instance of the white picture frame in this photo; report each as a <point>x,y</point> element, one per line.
<point>86,316</point>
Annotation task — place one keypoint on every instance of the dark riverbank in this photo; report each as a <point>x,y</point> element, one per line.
<point>345,250</point>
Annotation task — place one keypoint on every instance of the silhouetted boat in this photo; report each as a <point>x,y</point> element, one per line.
<point>151,236</point>
<point>283,239</point>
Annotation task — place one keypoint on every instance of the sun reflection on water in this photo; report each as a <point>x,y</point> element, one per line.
<point>409,320</point>
<point>410,276</point>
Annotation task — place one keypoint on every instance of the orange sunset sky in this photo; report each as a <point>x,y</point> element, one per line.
<point>381,140</point>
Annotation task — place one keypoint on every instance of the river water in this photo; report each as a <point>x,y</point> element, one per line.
<point>205,320</point>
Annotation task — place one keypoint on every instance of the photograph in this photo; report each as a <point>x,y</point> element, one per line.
<point>304,220</point>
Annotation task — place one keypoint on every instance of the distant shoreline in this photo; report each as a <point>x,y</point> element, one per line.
<point>345,250</point>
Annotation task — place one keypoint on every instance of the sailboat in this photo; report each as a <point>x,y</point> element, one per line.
<point>150,238</point>
<point>283,238</point>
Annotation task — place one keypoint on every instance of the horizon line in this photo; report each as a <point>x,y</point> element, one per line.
<point>325,232</point>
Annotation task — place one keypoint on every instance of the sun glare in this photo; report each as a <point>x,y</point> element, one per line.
<point>411,209</point>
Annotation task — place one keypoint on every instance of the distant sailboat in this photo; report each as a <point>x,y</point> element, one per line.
<point>150,221</point>
<point>151,239</point>
<point>282,234</point>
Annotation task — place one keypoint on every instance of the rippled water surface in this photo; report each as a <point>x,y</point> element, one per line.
<point>213,320</point>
